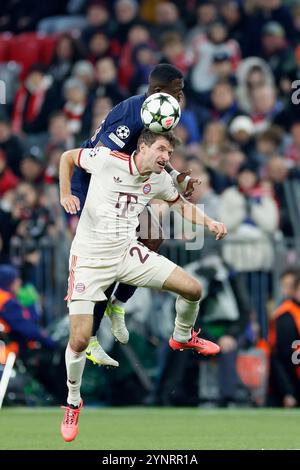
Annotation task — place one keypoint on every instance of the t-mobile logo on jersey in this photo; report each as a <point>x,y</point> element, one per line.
<point>296,353</point>
<point>125,204</point>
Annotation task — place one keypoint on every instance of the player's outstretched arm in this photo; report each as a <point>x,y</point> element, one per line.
<point>193,214</point>
<point>68,161</point>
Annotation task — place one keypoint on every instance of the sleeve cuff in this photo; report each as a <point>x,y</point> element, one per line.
<point>173,200</point>
<point>79,157</point>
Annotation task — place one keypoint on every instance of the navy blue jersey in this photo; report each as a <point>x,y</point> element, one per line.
<point>119,131</point>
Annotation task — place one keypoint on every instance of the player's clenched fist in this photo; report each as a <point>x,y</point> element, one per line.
<point>71,204</point>
<point>217,228</point>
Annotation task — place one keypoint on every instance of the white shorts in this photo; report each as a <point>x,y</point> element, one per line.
<point>90,277</point>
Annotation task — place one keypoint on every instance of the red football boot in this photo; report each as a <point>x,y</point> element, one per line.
<point>69,425</point>
<point>201,346</point>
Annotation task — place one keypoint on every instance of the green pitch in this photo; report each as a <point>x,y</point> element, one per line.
<point>152,428</point>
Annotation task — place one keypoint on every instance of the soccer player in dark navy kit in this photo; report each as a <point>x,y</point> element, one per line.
<point>120,131</point>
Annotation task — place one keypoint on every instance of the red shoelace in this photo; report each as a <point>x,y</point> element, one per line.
<point>195,339</point>
<point>71,415</point>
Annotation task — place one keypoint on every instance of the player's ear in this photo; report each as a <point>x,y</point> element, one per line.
<point>142,146</point>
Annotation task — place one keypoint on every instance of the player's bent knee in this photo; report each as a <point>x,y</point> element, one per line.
<point>194,290</point>
<point>79,343</point>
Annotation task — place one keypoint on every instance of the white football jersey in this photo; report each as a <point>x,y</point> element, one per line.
<point>117,195</point>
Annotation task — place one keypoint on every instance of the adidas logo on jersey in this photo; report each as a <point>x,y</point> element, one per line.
<point>117,180</point>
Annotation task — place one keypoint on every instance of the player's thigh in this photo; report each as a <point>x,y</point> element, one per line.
<point>182,283</point>
<point>144,268</point>
<point>81,326</point>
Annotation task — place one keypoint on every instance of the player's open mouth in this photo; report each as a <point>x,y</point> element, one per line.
<point>161,164</point>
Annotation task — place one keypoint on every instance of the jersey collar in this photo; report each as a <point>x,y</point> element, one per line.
<point>133,169</point>
<point>132,166</point>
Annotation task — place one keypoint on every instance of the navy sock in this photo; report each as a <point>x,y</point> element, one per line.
<point>99,310</point>
<point>124,292</point>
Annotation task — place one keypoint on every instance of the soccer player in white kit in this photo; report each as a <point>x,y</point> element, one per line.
<point>105,248</point>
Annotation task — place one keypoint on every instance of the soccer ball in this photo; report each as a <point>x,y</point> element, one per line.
<point>160,112</point>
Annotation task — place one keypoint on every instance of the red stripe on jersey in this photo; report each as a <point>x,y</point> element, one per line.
<point>79,157</point>
<point>130,166</point>
<point>120,158</point>
<point>120,154</point>
<point>71,278</point>
<point>117,155</point>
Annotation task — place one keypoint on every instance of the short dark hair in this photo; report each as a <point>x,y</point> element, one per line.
<point>37,67</point>
<point>148,137</point>
<point>165,73</point>
<point>296,122</point>
<point>223,81</point>
<point>297,282</point>
<point>57,114</point>
<point>274,133</point>
<point>4,120</point>
<point>291,271</point>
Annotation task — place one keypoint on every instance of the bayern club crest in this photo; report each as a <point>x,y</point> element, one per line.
<point>80,287</point>
<point>147,188</point>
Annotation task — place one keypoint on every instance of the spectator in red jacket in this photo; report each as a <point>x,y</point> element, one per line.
<point>34,102</point>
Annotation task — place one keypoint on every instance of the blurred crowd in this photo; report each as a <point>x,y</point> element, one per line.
<point>65,64</point>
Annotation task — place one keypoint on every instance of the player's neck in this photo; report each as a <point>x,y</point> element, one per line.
<point>141,165</point>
